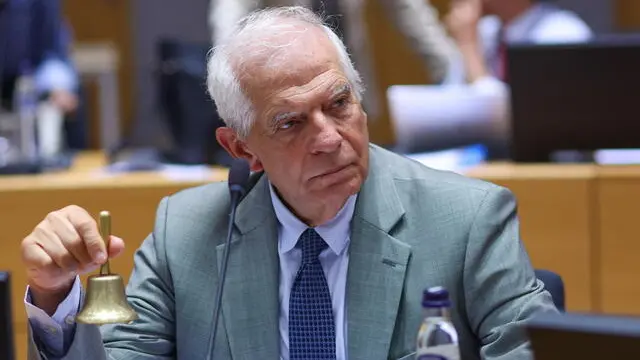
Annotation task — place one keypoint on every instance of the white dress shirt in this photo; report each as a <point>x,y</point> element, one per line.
<point>334,260</point>
<point>538,25</point>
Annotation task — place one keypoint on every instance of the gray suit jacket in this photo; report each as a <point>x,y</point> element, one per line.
<point>413,227</point>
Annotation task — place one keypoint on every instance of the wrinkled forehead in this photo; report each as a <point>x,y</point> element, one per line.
<point>290,57</point>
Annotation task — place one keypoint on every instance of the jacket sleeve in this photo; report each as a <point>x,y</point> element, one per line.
<point>499,281</point>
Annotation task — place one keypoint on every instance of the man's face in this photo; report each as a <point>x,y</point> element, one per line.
<point>310,135</point>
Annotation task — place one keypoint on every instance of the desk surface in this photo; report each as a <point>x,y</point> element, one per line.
<point>95,58</point>
<point>86,173</point>
<point>619,172</point>
<point>510,171</point>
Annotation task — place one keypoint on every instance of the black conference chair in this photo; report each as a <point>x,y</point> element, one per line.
<point>190,114</point>
<point>554,284</point>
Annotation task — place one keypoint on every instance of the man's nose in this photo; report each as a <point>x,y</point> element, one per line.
<point>325,138</point>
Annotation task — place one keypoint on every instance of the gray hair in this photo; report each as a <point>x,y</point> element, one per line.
<point>226,59</point>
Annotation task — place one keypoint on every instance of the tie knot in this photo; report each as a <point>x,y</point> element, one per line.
<point>312,245</point>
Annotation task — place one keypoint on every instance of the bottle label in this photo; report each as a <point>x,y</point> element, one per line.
<point>439,352</point>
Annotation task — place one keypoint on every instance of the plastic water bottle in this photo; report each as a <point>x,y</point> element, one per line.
<point>25,105</point>
<point>437,338</point>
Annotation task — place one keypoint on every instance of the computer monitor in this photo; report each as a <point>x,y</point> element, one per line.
<point>6,322</point>
<point>584,336</point>
<point>580,97</point>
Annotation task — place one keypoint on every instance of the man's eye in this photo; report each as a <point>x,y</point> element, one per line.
<point>287,125</point>
<point>340,103</point>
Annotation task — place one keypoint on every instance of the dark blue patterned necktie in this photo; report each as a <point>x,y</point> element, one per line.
<point>312,333</point>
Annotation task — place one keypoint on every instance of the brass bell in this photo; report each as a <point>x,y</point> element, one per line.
<point>105,300</point>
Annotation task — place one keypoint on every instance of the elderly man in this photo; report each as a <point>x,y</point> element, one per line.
<point>372,229</point>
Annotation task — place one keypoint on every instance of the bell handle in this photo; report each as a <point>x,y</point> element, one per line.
<point>105,233</point>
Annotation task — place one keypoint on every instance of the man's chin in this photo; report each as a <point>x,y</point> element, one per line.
<point>339,190</point>
<point>335,179</point>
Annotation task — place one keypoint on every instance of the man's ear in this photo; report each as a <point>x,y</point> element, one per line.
<point>228,139</point>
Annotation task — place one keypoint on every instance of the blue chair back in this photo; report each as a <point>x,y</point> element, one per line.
<point>554,284</point>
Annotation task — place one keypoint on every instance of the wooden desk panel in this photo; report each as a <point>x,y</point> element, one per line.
<point>619,205</point>
<point>20,339</point>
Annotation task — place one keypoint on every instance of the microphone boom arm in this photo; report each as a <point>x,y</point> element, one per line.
<point>223,272</point>
<point>238,179</point>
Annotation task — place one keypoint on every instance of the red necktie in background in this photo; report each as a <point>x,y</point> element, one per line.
<point>502,69</point>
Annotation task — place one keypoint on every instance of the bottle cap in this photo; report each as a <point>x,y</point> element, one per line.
<point>436,297</point>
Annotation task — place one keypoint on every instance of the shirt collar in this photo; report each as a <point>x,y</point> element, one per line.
<point>335,232</point>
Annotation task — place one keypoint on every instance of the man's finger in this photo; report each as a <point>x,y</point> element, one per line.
<point>116,246</point>
<point>88,230</point>
<point>69,236</point>
<point>41,269</point>
<point>52,245</point>
<point>35,256</point>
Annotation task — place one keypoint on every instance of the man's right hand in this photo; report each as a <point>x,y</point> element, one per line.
<point>63,245</point>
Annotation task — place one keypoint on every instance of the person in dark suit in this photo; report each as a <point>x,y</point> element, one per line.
<point>34,40</point>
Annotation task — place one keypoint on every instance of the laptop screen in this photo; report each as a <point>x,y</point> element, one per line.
<point>584,337</point>
<point>574,97</point>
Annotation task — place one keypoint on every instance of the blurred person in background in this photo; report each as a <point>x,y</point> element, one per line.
<point>416,19</point>
<point>483,28</point>
<point>35,41</point>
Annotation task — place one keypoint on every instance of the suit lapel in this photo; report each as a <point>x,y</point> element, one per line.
<point>377,266</point>
<point>250,299</point>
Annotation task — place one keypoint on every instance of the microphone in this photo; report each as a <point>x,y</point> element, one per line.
<point>238,180</point>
